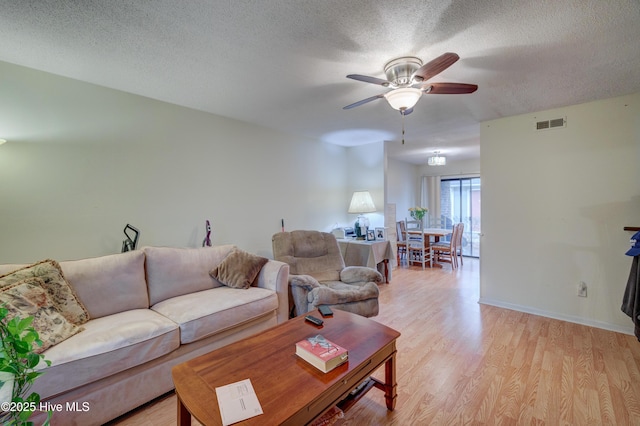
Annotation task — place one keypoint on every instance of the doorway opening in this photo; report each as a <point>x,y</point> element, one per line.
<point>460,202</point>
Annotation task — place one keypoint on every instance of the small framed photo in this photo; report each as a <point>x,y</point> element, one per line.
<point>381,234</point>
<point>371,235</point>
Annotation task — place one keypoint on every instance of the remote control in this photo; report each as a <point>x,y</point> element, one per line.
<point>325,311</point>
<point>314,320</point>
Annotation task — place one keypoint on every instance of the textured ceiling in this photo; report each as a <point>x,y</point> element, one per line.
<point>282,64</point>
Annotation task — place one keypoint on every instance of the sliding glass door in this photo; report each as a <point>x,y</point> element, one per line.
<point>460,202</point>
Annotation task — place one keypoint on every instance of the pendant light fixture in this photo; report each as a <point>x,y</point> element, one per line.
<point>437,160</point>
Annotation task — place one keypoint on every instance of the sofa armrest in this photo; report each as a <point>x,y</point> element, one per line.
<point>299,288</point>
<point>306,282</point>
<point>324,295</point>
<point>360,274</point>
<point>274,275</point>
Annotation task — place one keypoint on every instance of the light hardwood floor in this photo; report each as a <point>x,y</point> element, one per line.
<point>460,362</point>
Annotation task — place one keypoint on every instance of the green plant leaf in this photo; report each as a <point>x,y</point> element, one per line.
<point>12,326</point>
<point>33,359</point>
<point>33,397</point>
<point>12,368</point>
<point>30,336</point>
<point>16,356</point>
<point>22,347</point>
<point>31,376</point>
<point>24,323</point>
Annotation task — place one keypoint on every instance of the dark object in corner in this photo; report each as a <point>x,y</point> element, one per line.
<point>631,300</point>
<point>314,320</point>
<point>325,311</point>
<point>207,239</point>
<point>130,244</point>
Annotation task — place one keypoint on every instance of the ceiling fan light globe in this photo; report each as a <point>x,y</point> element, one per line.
<point>403,99</point>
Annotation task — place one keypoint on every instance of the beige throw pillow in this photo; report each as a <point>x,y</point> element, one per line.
<point>239,269</point>
<point>61,293</point>
<point>29,298</point>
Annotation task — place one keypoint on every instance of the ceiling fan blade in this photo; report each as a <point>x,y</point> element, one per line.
<point>449,88</point>
<point>364,101</point>
<point>368,79</point>
<point>435,66</point>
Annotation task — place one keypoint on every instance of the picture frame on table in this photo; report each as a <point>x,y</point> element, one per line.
<point>381,234</point>
<point>371,235</point>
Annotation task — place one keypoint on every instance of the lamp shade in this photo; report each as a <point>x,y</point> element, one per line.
<point>404,98</point>
<point>361,202</point>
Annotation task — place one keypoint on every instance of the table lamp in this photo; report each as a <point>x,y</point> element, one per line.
<point>361,202</point>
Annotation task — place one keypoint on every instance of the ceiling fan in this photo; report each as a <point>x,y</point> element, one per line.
<point>407,78</point>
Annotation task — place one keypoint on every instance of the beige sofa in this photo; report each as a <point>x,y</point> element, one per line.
<point>150,309</point>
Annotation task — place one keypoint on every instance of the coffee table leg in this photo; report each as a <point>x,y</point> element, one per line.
<point>390,383</point>
<point>184,416</point>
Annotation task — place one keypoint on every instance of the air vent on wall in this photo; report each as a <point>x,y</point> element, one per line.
<point>554,123</point>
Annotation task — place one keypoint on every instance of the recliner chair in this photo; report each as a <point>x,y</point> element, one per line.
<point>318,276</point>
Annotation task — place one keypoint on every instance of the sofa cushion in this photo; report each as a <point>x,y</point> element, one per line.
<point>109,284</point>
<point>208,312</point>
<point>173,272</point>
<point>239,269</point>
<point>61,293</point>
<point>28,298</point>
<point>10,267</point>
<point>107,345</point>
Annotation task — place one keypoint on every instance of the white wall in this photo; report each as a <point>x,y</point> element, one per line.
<point>82,161</point>
<point>403,186</point>
<point>554,204</point>
<point>366,173</point>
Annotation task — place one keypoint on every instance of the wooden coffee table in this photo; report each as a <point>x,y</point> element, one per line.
<point>290,390</point>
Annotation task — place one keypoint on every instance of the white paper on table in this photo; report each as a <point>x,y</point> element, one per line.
<point>237,401</point>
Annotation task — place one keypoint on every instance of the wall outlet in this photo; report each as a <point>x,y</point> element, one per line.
<point>582,289</point>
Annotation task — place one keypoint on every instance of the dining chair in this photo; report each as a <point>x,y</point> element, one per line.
<point>459,242</point>
<point>418,251</point>
<point>446,251</point>
<point>401,242</point>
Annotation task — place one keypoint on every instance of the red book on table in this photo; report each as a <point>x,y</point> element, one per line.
<point>321,353</point>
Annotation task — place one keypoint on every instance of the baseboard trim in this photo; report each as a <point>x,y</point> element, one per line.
<point>569,318</point>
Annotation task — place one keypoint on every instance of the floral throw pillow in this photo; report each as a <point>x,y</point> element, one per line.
<point>61,293</point>
<point>29,298</point>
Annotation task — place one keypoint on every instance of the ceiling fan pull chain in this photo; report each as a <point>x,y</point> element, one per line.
<point>402,127</point>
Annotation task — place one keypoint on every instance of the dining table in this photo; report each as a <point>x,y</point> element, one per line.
<point>436,233</point>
